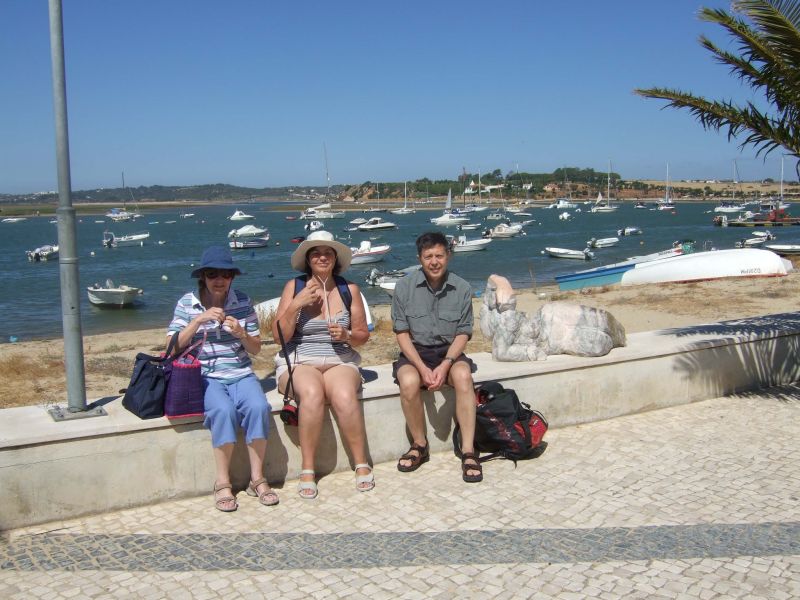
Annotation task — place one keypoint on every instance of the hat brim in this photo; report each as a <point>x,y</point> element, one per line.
<point>343,254</point>
<point>223,267</point>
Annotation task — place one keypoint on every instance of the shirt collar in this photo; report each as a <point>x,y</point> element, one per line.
<point>421,280</point>
<point>230,302</point>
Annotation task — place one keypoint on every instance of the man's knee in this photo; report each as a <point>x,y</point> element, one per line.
<point>460,376</point>
<point>409,381</point>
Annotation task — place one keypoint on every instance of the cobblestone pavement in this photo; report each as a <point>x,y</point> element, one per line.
<point>698,501</point>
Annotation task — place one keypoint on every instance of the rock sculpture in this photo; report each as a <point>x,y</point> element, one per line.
<point>556,328</point>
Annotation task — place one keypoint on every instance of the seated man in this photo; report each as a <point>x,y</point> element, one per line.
<point>432,318</point>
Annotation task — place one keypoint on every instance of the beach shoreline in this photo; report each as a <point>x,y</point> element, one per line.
<point>35,373</point>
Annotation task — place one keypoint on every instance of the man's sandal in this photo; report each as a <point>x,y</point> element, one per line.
<point>471,467</point>
<point>268,498</point>
<point>422,456</point>
<point>364,483</point>
<point>220,503</point>
<point>302,486</point>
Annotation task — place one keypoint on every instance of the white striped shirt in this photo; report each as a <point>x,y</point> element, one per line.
<point>223,356</point>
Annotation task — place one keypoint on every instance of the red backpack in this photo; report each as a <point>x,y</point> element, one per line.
<point>504,427</point>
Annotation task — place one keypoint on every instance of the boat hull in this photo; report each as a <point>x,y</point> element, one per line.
<point>714,264</point>
<point>113,296</point>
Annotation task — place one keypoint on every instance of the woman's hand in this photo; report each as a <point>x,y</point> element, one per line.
<point>311,294</point>
<point>339,333</point>
<point>233,327</point>
<point>211,315</point>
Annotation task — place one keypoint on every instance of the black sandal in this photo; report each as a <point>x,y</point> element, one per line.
<point>422,456</point>
<point>470,467</point>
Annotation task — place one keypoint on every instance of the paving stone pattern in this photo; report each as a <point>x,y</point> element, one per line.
<point>699,501</point>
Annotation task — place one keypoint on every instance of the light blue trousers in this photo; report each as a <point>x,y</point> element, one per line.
<point>229,406</point>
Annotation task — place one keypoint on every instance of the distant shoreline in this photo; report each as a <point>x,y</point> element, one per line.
<point>32,210</point>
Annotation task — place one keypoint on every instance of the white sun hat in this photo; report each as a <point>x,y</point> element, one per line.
<point>321,238</point>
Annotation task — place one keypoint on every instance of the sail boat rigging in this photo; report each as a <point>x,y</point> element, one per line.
<point>122,214</point>
<point>666,203</point>
<point>404,210</point>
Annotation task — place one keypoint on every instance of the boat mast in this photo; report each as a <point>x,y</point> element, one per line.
<point>327,176</point>
<point>782,178</point>
<point>735,177</point>
<point>608,185</point>
<point>123,190</point>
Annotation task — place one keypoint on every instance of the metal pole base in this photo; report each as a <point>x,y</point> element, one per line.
<point>64,414</point>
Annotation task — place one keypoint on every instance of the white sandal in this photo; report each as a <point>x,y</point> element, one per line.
<point>302,486</point>
<point>364,483</point>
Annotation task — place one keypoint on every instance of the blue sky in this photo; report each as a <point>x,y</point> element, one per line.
<point>247,92</point>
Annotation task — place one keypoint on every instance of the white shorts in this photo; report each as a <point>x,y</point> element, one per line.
<point>323,363</point>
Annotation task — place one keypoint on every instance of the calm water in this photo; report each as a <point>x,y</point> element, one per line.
<point>31,305</point>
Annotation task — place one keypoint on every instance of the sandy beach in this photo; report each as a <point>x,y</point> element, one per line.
<point>34,375</point>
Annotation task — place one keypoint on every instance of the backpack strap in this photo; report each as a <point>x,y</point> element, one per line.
<point>341,283</point>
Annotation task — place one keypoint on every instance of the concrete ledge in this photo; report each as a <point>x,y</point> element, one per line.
<point>54,471</point>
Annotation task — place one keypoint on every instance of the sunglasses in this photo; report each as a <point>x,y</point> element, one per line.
<point>217,274</point>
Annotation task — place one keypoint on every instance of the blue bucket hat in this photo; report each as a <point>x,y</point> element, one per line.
<point>216,257</point>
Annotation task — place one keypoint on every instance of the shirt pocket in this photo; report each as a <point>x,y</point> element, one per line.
<point>448,321</point>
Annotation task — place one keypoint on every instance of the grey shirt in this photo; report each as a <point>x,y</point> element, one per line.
<point>432,318</point>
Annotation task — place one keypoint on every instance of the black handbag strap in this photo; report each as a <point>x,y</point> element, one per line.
<point>289,384</point>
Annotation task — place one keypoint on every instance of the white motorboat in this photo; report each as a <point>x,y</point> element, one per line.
<point>249,242</point>
<point>629,231</point>
<point>640,205</point>
<point>41,253</point>
<point>729,207</point>
<point>462,244</point>
<point>119,215</point>
<point>249,231</point>
<point>322,211</point>
<point>134,239</point>
<point>562,204</point>
<point>448,219</point>
<point>759,239</point>
<point>469,226</point>
<point>186,215</point>
<point>367,253</point>
<point>504,231</point>
<point>585,254</point>
<point>14,219</point>
<point>602,242</point>
<point>112,295</point>
<point>240,215</point>
<point>375,224</point>
<point>314,226</point>
<point>358,221</point>
<point>495,216</point>
<point>377,277</point>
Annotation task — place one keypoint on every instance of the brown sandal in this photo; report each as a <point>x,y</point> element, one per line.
<point>422,456</point>
<point>470,467</point>
<point>220,502</point>
<point>268,498</point>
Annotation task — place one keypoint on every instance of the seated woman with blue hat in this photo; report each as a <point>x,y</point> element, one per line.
<point>233,396</point>
<point>322,317</point>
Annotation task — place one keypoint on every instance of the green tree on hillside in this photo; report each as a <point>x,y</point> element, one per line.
<point>767,34</point>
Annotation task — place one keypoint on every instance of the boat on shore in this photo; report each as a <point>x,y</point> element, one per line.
<point>113,295</point>
<point>611,274</point>
<point>711,264</point>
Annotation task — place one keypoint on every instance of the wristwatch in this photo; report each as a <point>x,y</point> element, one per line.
<point>452,360</point>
